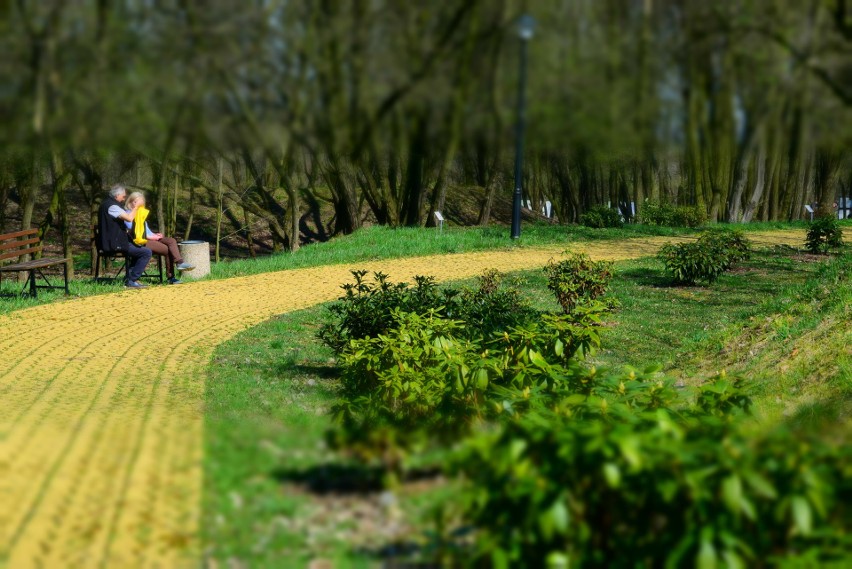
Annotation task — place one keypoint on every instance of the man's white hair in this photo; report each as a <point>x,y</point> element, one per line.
<point>116,190</point>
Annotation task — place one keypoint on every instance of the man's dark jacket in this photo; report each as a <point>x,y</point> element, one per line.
<point>112,232</point>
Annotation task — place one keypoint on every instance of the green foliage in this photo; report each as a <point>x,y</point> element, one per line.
<point>425,381</point>
<point>601,217</point>
<point>713,253</point>
<point>692,262</point>
<point>733,246</point>
<point>419,380</point>
<point>824,234</point>
<point>410,360</point>
<point>421,374</point>
<point>656,213</point>
<point>615,467</point>
<point>488,309</point>
<point>566,461</point>
<point>577,280</point>
<point>365,310</point>
<point>557,337</point>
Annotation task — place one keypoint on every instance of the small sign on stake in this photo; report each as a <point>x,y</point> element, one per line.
<point>440,219</point>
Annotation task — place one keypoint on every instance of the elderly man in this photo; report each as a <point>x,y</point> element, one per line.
<point>114,239</point>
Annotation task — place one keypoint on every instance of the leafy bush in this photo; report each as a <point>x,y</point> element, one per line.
<point>714,252</point>
<point>734,246</point>
<point>626,467</point>
<point>824,234</point>
<point>689,263</point>
<point>565,462</point>
<point>413,359</point>
<point>664,214</point>
<point>424,382</point>
<point>689,216</point>
<point>366,309</point>
<point>601,217</point>
<point>488,309</point>
<point>577,280</point>
<point>417,381</point>
<point>418,378</point>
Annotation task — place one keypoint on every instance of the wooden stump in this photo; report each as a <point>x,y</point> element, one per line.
<point>195,253</point>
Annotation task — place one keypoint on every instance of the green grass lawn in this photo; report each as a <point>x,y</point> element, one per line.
<point>274,492</point>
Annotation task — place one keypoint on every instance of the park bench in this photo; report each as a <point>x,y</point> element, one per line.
<point>27,242</point>
<point>104,259</point>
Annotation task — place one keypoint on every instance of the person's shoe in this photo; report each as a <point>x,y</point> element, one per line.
<point>135,284</point>
<point>185,266</point>
<point>173,280</point>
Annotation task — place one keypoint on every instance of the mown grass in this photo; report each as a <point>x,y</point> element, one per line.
<point>269,389</point>
<point>797,351</point>
<point>371,243</point>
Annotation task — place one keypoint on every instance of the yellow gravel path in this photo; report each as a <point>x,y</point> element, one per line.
<point>101,438</point>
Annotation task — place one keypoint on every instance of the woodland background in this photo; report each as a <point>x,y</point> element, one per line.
<point>286,121</point>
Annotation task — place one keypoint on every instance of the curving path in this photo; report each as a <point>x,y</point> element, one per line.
<point>101,439</point>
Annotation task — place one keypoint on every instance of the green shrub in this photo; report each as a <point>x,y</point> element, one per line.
<point>424,382</point>
<point>689,216</point>
<point>655,213</point>
<point>601,217</point>
<point>556,337</point>
<point>689,263</point>
<point>577,280</point>
<point>416,382</point>
<point>626,470</point>
<point>561,461</point>
<point>714,252</point>
<point>824,234</point>
<point>489,308</point>
<point>365,309</point>
<point>414,360</point>
<point>733,245</point>
<point>664,214</point>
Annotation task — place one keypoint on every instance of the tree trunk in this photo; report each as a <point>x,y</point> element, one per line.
<point>220,203</point>
<point>759,183</point>
<point>190,212</point>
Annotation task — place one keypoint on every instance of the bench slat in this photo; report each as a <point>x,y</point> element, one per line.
<point>34,264</point>
<point>16,254</point>
<point>23,233</point>
<point>17,244</point>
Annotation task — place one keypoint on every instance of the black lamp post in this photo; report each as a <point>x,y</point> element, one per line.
<point>526,25</point>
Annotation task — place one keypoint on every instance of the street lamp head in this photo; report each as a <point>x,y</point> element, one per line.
<point>526,27</point>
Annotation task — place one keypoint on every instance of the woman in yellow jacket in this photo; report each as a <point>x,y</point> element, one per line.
<point>141,235</point>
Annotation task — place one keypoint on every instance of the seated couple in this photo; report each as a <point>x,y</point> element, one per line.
<point>124,229</point>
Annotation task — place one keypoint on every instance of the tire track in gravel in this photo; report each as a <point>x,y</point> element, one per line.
<point>101,438</point>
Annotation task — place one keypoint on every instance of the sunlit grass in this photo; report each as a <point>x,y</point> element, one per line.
<point>796,352</point>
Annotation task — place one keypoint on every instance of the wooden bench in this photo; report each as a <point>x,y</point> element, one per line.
<point>27,242</point>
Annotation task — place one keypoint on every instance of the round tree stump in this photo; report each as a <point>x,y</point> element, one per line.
<point>195,253</point>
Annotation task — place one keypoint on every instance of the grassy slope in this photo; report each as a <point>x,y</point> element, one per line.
<point>799,355</point>
<point>269,388</point>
